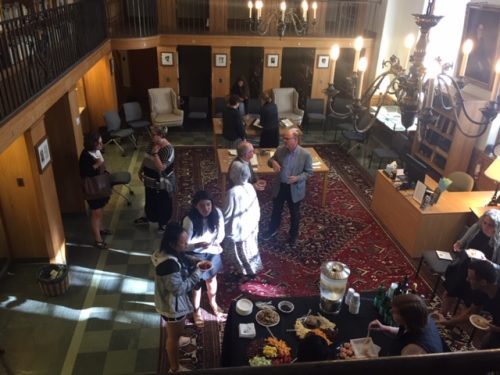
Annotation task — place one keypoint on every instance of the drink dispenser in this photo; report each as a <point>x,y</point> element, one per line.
<point>332,287</point>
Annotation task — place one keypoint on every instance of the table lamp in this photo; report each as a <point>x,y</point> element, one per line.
<point>493,172</point>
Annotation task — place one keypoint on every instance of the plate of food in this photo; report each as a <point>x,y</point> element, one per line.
<point>316,324</point>
<point>479,322</point>
<point>267,318</point>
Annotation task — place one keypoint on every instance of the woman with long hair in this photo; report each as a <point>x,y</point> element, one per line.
<point>92,164</point>
<point>175,276</point>
<point>204,225</point>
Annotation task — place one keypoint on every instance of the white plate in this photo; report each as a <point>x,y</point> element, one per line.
<point>479,322</point>
<point>275,317</point>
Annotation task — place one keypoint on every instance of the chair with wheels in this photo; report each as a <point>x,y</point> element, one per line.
<point>461,181</point>
<point>315,113</point>
<point>399,147</point>
<point>359,138</point>
<point>340,119</point>
<point>134,118</point>
<point>122,178</point>
<point>115,132</point>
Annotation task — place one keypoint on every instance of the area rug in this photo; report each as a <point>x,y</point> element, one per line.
<point>342,230</point>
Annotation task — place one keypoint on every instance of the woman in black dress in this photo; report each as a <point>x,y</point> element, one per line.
<point>239,89</point>
<point>270,136</point>
<point>157,174</point>
<point>92,164</point>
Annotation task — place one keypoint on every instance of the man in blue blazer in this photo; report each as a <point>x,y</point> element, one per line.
<point>294,166</point>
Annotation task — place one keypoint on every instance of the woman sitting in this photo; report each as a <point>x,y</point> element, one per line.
<point>175,277</point>
<point>480,236</point>
<point>417,333</point>
<point>204,225</point>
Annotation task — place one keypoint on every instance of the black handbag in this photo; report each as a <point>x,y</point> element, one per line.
<point>97,187</point>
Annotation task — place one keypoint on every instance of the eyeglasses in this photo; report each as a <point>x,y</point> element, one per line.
<point>489,224</point>
<point>288,138</point>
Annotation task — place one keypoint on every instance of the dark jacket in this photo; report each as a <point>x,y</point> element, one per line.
<point>270,125</point>
<point>232,124</point>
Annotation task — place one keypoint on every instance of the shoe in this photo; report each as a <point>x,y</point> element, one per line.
<point>101,245</point>
<point>268,235</point>
<point>198,319</point>
<point>141,221</point>
<point>184,341</point>
<point>161,228</point>
<point>105,232</point>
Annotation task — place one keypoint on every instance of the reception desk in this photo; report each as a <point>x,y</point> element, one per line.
<point>415,229</point>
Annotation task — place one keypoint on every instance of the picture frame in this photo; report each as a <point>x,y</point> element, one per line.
<point>43,154</point>
<point>482,25</point>
<point>323,62</point>
<point>419,192</point>
<point>272,60</point>
<point>220,60</point>
<point>167,58</point>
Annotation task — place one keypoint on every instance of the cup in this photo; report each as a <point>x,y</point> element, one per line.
<point>348,296</point>
<point>354,303</point>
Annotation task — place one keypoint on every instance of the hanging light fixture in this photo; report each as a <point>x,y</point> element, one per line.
<point>297,19</point>
<point>416,91</point>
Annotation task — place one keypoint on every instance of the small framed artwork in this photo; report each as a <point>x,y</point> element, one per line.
<point>272,60</point>
<point>419,192</point>
<point>220,60</point>
<point>43,154</point>
<point>323,61</point>
<point>167,58</point>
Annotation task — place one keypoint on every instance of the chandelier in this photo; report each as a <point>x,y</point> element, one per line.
<point>285,18</point>
<point>416,90</point>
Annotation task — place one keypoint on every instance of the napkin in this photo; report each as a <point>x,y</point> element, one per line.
<point>246,330</point>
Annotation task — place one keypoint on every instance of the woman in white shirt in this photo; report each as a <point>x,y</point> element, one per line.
<point>204,225</point>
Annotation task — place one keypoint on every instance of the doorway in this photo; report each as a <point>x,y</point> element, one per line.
<point>247,62</point>
<point>297,71</point>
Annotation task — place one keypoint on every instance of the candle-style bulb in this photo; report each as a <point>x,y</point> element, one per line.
<point>496,82</point>
<point>362,64</point>
<point>315,9</point>
<point>358,43</point>
<point>467,47</point>
<point>335,52</point>
<point>250,7</point>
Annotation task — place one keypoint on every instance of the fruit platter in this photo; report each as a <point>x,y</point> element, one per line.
<point>270,351</point>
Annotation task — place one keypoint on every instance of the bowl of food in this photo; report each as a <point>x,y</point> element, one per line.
<point>267,318</point>
<point>286,307</point>
<point>244,307</point>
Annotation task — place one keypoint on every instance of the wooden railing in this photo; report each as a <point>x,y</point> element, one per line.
<point>39,47</point>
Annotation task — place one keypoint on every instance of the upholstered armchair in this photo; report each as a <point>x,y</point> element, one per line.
<point>287,99</point>
<point>163,104</point>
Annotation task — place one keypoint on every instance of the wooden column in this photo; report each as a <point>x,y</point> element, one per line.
<point>221,75</point>
<point>168,75</point>
<point>271,77</point>
<point>218,16</point>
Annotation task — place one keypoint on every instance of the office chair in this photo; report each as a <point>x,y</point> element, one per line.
<point>315,112</point>
<point>122,178</point>
<point>115,132</point>
<point>340,120</point>
<point>461,181</point>
<point>399,147</point>
<point>134,118</point>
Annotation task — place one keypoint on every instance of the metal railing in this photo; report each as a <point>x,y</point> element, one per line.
<point>132,18</point>
<point>38,48</point>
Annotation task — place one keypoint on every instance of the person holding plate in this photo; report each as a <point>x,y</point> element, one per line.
<point>204,225</point>
<point>175,276</point>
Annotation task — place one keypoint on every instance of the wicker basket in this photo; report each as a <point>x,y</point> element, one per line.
<point>56,286</point>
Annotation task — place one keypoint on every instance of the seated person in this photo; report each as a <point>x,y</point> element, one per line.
<point>417,333</point>
<point>480,236</point>
<point>484,294</point>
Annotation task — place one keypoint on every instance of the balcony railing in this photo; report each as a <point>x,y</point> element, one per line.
<point>37,48</point>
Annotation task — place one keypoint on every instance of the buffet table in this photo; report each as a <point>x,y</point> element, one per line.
<point>234,349</point>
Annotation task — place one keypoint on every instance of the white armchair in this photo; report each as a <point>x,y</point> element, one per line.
<point>287,99</point>
<point>163,104</point>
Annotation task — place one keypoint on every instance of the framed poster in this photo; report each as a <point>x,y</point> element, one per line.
<point>272,60</point>
<point>167,58</point>
<point>482,26</point>
<point>323,61</point>
<point>220,60</point>
<point>43,154</point>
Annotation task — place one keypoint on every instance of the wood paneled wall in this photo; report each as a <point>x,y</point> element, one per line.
<point>168,76</point>
<point>221,84</point>
<point>271,77</point>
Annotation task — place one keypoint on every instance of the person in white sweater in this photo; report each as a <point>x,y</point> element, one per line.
<point>204,225</point>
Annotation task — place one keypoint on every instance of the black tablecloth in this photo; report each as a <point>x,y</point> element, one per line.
<point>234,349</point>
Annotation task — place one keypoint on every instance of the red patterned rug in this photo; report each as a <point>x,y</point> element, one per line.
<point>342,230</point>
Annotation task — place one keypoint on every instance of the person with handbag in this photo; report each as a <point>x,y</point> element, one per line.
<point>157,175</point>
<point>480,236</point>
<point>93,168</point>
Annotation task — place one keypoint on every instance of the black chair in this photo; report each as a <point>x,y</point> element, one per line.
<point>254,108</point>
<point>220,104</point>
<point>340,120</point>
<point>359,138</point>
<point>436,265</point>
<point>115,132</point>
<point>315,112</point>
<point>198,108</point>
<point>122,178</point>
<point>134,118</point>
<point>399,147</point>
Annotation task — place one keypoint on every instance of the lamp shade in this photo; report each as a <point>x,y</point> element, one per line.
<point>493,171</point>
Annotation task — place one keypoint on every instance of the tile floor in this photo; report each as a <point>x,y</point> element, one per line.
<point>106,322</point>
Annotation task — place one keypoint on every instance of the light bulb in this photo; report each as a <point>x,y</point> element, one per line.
<point>335,52</point>
<point>467,47</point>
<point>362,64</point>
<point>283,6</point>
<point>358,43</point>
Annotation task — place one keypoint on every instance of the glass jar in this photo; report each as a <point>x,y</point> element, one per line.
<point>333,281</point>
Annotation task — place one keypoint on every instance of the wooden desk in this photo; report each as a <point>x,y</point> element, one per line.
<point>416,230</point>
<point>251,131</point>
<point>224,159</point>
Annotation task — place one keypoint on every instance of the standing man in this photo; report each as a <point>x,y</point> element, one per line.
<point>294,167</point>
<point>233,129</point>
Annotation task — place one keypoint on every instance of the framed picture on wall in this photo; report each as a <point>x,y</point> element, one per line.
<point>167,58</point>
<point>220,60</point>
<point>323,61</point>
<point>272,60</point>
<point>43,154</point>
<point>482,26</point>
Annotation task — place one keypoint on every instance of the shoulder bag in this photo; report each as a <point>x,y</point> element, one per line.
<point>97,187</point>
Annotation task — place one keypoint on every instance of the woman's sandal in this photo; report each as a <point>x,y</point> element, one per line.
<point>101,245</point>
<point>198,319</point>
<point>105,232</point>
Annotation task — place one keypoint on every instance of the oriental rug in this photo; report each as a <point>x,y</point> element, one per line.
<point>342,230</point>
